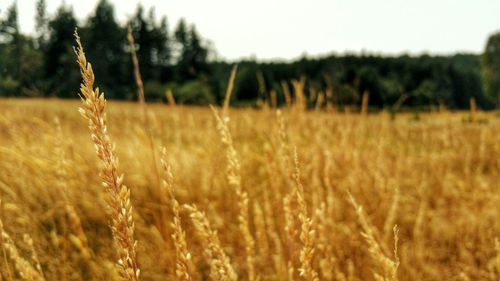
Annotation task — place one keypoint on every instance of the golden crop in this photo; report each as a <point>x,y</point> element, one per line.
<point>244,194</point>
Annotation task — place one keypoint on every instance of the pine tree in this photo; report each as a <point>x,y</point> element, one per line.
<point>41,23</point>
<point>11,37</point>
<point>106,42</point>
<point>59,68</point>
<point>490,64</point>
<point>192,55</point>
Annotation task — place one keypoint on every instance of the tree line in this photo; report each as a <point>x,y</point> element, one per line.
<point>179,59</point>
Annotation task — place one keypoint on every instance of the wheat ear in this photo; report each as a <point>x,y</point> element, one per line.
<point>389,267</point>
<point>307,232</point>
<point>23,267</point>
<point>120,208</point>
<point>179,236</point>
<point>496,261</point>
<point>234,179</point>
<point>220,265</point>
<point>229,90</point>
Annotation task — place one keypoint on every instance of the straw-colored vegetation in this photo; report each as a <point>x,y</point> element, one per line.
<point>245,194</point>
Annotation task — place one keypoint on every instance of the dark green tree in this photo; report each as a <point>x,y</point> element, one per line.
<point>59,63</point>
<point>144,34</point>
<point>105,46</point>
<point>20,60</point>
<point>198,52</point>
<point>153,51</point>
<point>41,23</point>
<point>181,35</point>
<point>144,41</point>
<point>11,40</point>
<point>9,27</point>
<point>490,64</point>
<point>191,54</point>
<point>181,49</point>
<point>163,57</point>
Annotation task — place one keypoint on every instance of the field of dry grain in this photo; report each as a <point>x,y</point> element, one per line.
<point>288,196</point>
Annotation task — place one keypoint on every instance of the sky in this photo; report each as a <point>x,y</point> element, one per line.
<point>288,29</point>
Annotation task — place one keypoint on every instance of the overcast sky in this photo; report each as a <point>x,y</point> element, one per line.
<point>270,29</point>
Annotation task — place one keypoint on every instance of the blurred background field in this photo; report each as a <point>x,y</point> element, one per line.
<point>436,178</point>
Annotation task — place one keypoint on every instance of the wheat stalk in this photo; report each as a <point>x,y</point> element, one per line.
<point>135,63</point>
<point>34,254</point>
<point>261,230</point>
<point>391,215</point>
<point>274,99</point>
<point>389,267</point>
<point>284,144</point>
<point>220,265</point>
<point>170,98</point>
<point>307,233</point>
<point>496,259</point>
<point>364,103</point>
<point>229,90</point>
<point>142,101</point>
<point>319,101</point>
<point>23,267</point>
<point>286,94</point>
<point>234,180</point>
<point>300,98</point>
<point>329,99</point>
<point>120,208</point>
<point>4,250</point>
<point>183,257</point>
<point>473,109</point>
<point>78,237</point>
<point>262,90</point>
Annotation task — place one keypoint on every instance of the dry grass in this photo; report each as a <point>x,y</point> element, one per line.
<point>119,205</point>
<point>183,257</point>
<point>292,195</point>
<point>436,179</point>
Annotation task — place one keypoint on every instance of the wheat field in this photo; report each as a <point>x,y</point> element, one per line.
<point>244,194</point>
<point>436,179</point>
